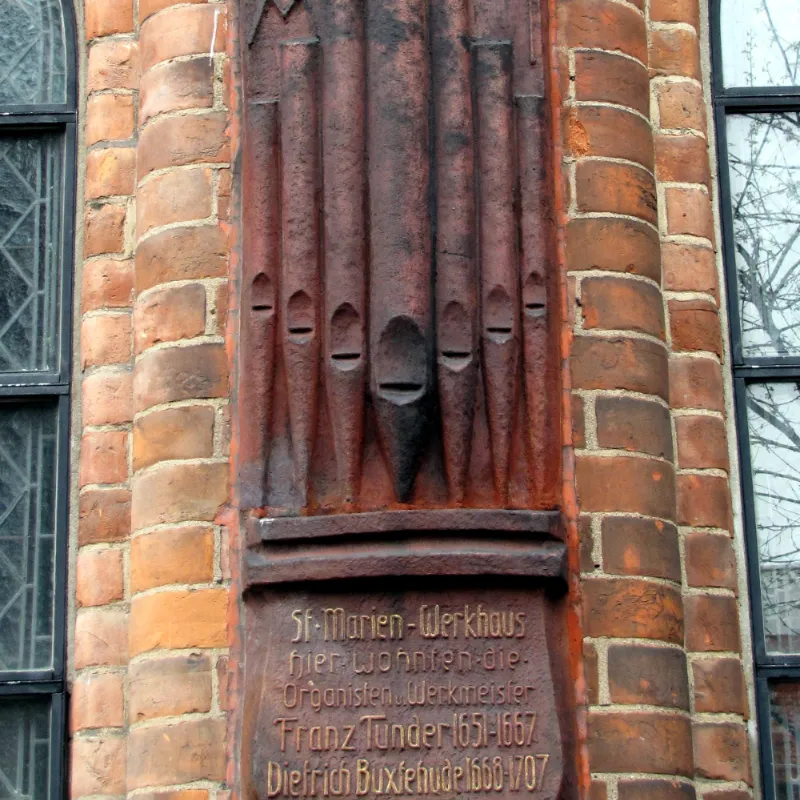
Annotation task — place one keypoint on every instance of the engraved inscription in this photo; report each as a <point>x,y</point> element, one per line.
<point>406,695</point>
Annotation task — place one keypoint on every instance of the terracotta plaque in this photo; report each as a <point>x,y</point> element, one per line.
<point>401,693</point>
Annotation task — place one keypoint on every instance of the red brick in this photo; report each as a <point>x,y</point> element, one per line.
<point>696,383</point>
<point>104,230</point>
<point>704,501</point>
<point>220,310</point>
<point>180,373</point>
<point>101,637</point>
<point>590,673</point>
<point>625,423</point>
<point>168,314</point>
<point>721,752</point>
<point>97,766</point>
<point>176,86</point>
<point>166,687</point>
<point>107,283</point>
<point>719,686</point>
<point>113,64</point>
<point>106,17</point>
<point>109,118</point>
<point>631,608</point>
<point>598,791</point>
<point>97,701</point>
<point>104,516</point>
<point>674,51</point>
<point>633,364</point>
<point>710,560</point>
<point>98,577</point>
<point>182,31</point>
<point>173,433</point>
<point>603,25</point>
<point>712,623</point>
<point>224,188</point>
<point>179,619</point>
<point>702,442</point>
<point>694,325</point>
<point>191,750</point>
<point>110,171</point>
<point>610,78</point>
<point>149,7</point>
<point>578,423</point>
<point>652,789</point>
<point>640,742</point>
<point>178,492</point>
<point>635,546</point>
<point>622,304</point>
<point>616,188</point>
<point>176,141</point>
<point>105,339</point>
<point>688,268</point>
<point>654,676</point>
<point>182,555</point>
<point>689,212</point>
<point>617,245</point>
<point>624,483</point>
<point>610,132</point>
<point>178,196</point>
<point>107,398</point>
<point>682,159</point>
<point>681,105</point>
<point>181,254</point>
<point>104,457</point>
<point>687,11</point>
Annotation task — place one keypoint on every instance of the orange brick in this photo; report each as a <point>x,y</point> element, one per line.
<point>105,339</point>
<point>106,17</point>
<point>101,637</point>
<point>109,118</point>
<point>175,555</point>
<point>622,304</point>
<point>104,457</point>
<point>166,687</point>
<point>182,31</point>
<point>98,576</point>
<point>97,701</point>
<point>616,188</point>
<point>178,196</point>
<point>689,212</point>
<point>603,25</point>
<point>104,230</point>
<point>176,86</point>
<point>104,516</point>
<point>110,171</point>
<point>107,398</point>
<point>674,51</point>
<point>173,433</point>
<point>97,766</point>
<point>681,105</point>
<point>168,314</point>
<point>113,64</point>
<point>107,283</point>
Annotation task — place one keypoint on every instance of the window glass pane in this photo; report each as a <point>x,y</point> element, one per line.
<point>32,52</point>
<point>784,716</point>
<point>25,749</point>
<point>764,168</point>
<point>30,245</point>
<point>760,42</point>
<point>28,450</point>
<point>773,415</point>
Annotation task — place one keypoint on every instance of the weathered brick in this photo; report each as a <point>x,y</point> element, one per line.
<point>182,31</point>
<point>178,196</point>
<point>610,132</point>
<point>109,118</point>
<point>104,457</point>
<point>104,229</point>
<point>719,686</point>
<point>191,750</point>
<point>694,325</point>
<point>674,51</point>
<point>635,546</point>
<point>107,283</point>
<point>173,433</point>
<point>110,171</point>
<point>640,742</point>
<point>603,25</point>
<point>618,245</point>
<point>97,766</point>
<point>689,212</point>
<point>653,676</point>
<point>113,64</point>
<point>598,790</point>
<point>578,423</point>
<point>623,483</point>
<point>178,492</point>
<point>710,560</point>
<point>616,188</point>
<point>174,555</point>
<point>149,7</point>
<point>586,543</point>
<point>105,339</point>
<point>721,752</point>
<point>176,86</point>
<point>169,686</point>
<point>682,159</point>
<point>626,423</point>
<point>681,105</point>
<point>610,78</point>
<point>107,398</point>
<point>605,363</point>
<point>590,673</point>
<point>98,577</point>
<point>168,314</point>
<point>177,141</point>
<point>97,701</point>
<point>702,442</point>
<point>104,516</point>
<point>101,637</point>
<point>704,501</point>
<point>688,268</point>
<point>712,623</point>
<point>627,607</point>
<point>106,17</point>
<point>696,383</point>
<point>687,11</point>
<point>653,789</point>
<point>179,619</point>
<point>622,304</point>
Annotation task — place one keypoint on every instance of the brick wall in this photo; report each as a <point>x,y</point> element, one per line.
<point>665,697</point>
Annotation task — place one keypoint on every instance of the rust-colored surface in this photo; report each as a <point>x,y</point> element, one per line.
<point>398,350</point>
<point>403,692</point>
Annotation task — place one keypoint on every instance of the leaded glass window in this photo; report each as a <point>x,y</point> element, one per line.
<point>37,154</point>
<point>756,83</point>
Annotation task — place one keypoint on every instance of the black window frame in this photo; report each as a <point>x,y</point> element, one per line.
<point>53,387</point>
<point>749,370</point>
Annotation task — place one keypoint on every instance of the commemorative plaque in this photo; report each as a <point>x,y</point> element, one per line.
<point>416,694</point>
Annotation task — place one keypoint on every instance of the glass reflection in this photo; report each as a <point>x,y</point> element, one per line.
<point>25,749</point>
<point>784,714</point>
<point>760,42</point>
<point>764,164</point>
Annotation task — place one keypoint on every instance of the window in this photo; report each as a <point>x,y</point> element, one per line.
<point>756,85</point>
<point>37,155</point>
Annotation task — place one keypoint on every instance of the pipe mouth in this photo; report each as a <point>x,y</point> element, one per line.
<point>401,393</point>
